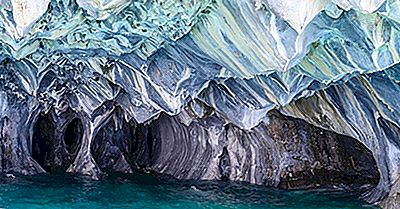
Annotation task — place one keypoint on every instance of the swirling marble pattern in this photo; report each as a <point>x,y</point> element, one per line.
<point>143,64</point>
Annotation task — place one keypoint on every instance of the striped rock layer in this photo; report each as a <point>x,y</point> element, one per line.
<point>291,95</point>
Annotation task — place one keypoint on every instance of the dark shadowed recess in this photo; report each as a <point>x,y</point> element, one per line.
<point>337,160</point>
<point>55,146</point>
<point>73,137</point>
<point>305,156</point>
<point>111,146</point>
<point>286,153</point>
<point>42,141</point>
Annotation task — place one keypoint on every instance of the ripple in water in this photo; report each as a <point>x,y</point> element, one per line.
<point>146,191</point>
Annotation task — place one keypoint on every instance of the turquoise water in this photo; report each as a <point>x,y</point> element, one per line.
<point>145,191</point>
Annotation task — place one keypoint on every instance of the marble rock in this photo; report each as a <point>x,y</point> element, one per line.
<point>270,92</point>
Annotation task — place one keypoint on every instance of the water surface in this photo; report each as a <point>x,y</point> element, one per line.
<point>146,191</point>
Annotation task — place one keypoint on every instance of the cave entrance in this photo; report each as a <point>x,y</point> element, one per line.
<point>321,158</point>
<point>359,163</point>
<point>111,146</point>
<point>73,138</point>
<point>42,141</point>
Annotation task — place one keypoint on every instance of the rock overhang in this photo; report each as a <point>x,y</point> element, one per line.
<point>240,58</point>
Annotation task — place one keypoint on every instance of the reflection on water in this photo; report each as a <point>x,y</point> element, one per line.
<point>146,191</point>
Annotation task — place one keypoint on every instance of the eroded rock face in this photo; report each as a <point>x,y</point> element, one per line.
<point>111,148</point>
<point>99,86</point>
<point>287,153</point>
<point>196,144</point>
<point>56,139</point>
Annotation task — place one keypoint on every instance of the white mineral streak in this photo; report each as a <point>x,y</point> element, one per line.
<point>300,13</point>
<point>242,58</point>
<point>142,27</point>
<point>103,9</point>
<point>363,5</point>
<point>244,41</point>
<point>26,12</point>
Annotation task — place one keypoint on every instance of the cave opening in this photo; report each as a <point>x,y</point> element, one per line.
<point>306,156</point>
<point>111,146</point>
<point>148,142</point>
<point>345,164</point>
<point>42,141</point>
<point>73,138</point>
<point>321,158</point>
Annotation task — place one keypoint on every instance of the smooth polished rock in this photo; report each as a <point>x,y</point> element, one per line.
<point>218,68</point>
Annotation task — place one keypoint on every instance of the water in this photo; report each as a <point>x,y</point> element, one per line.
<point>145,191</point>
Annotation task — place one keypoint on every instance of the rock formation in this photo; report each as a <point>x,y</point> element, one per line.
<point>270,92</point>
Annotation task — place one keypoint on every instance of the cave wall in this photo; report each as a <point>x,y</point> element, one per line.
<point>286,153</point>
<point>56,139</point>
<point>14,150</point>
<point>121,67</point>
<point>355,111</point>
<point>198,144</point>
